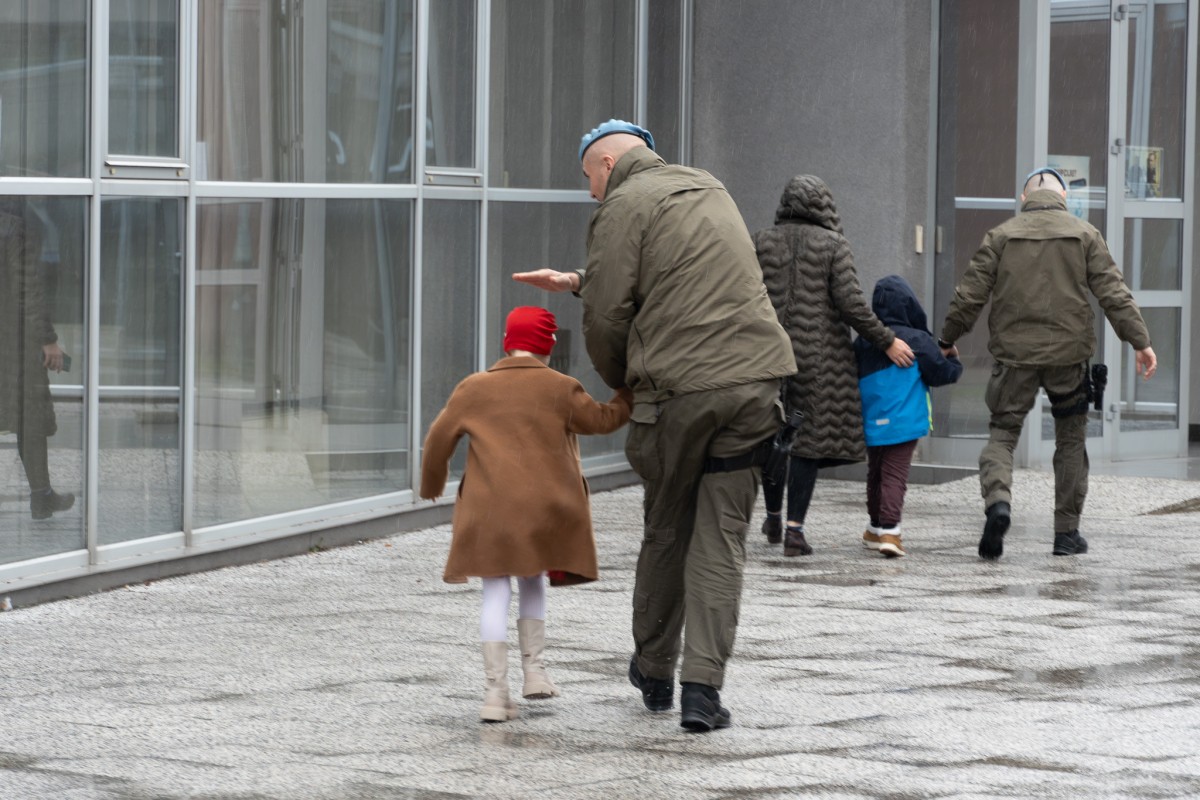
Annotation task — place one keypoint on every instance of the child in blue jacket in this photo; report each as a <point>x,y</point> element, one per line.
<point>896,406</point>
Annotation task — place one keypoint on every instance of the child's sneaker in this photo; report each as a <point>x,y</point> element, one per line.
<point>870,538</point>
<point>889,543</point>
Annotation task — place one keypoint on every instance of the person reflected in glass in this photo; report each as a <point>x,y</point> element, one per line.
<point>29,349</point>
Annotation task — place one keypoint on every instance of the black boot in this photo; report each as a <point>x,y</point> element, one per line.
<point>657,693</point>
<point>701,708</point>
<point>794,543</point>
<point>1069,543</point>
<point>44,504</point>
<point>991,546</point>
<point>773,528</point>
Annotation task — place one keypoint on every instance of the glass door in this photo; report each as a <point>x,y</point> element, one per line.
<point>1151,158</point>
<point>1079,100</point>
<point>1119,126</point>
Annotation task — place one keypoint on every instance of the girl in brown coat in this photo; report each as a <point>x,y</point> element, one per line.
<point>522,502</point>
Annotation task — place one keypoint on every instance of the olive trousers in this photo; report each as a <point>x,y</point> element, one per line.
<point>688,585</point>
<point>1011,393</point>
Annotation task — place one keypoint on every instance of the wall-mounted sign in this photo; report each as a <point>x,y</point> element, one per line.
<point>1078,172</point>
<point>1143,172</point>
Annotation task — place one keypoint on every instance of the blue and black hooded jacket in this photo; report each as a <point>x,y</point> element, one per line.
<point>895,401</point>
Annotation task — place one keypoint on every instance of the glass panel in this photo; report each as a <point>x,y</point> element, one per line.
<point>527,236</point>
<point>316,98</point>
<point>1153,254</point>
<point>143,77</point>
<point>977,143</point>
<point>302,386</point>
<point>558,70</point>
<point>1153,404</point>
<point>663,79</point>
<point>450,281</point>
<point>977,99</point>
<point>141,278</point>
<point>44,89</point>
<point>959,409</point>
<point>42,284</point>
<point>1078,130</point>
<point>451,112</point>
<point>1157,106</point>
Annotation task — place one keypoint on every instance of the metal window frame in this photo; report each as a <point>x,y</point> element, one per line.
<point>163,178</point>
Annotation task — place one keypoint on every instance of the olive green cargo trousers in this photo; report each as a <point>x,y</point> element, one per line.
<point>689,573</point>
<point>1011,393</point>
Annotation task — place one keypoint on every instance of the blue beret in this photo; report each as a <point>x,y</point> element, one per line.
<point>613,126</point>
<point>1047,171</point>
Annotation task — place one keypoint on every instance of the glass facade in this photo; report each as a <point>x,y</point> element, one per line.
<point>258,334</point>
<point>249,247</point>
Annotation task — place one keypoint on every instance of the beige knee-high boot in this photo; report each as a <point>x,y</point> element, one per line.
<point>532,636</point>
<point>497,705</point>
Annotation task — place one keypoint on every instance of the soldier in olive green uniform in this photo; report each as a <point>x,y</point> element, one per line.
<point>674,307</point>
<point>1038,270</point>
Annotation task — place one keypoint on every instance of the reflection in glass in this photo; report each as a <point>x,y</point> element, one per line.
<point>313,97</point>
<point>302,386</point>
<point>1154,404</point>
<point>451,101</point>
<point>42,269</point>
<point>1153,254</point>
<point>1156,109</point>
<point>557,71</point>
<point>143,77</point>
<point>959,409</point>
<point>526,236</point>
<point>977,98</point>
<point>1077,136</point>
<point>141,280</point>
<point>43,89</point>
<point>449,307</point>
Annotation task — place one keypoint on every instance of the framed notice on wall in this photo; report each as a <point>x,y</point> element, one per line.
<point>1078,173</point>
<point>1143,172</point>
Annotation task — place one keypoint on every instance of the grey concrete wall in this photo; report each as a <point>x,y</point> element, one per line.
<point>835,88</point>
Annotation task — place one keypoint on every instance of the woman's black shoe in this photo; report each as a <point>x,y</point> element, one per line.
<point>794,543</point>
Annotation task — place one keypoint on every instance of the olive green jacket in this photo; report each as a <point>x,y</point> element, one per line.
<point>673,298</point>
<point>1038,269</point>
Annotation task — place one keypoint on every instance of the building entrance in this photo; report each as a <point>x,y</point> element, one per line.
<point>1118,121</point>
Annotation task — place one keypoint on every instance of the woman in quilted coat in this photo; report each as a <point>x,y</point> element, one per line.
<point>809,273</point>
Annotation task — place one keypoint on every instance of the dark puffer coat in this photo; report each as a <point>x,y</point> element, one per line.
<point>24,327</point>
<point>809,273</point>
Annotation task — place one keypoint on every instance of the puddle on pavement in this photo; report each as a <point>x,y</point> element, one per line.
<point>1084,677</point>
<point>1184,507</point>
<point>827,580</point>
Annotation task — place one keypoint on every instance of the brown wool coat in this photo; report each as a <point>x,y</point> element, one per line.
<point>523,502</point>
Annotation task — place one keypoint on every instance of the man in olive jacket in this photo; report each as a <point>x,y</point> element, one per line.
<point>674,307</point>
<point>1038,269</point>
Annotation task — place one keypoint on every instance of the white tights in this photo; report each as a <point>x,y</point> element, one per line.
<point>497,592</point>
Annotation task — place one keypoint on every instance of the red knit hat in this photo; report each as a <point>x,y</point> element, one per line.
<point>531,329</point>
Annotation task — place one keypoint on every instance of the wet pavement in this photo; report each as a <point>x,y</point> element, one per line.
<point>356,673</point>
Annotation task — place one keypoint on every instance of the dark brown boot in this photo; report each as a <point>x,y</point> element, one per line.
<point>794,543</point>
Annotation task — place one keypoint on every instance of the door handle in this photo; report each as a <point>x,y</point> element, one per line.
<point>1112,412</point>
<point>1117,145</point>
<point>1121,12</point>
